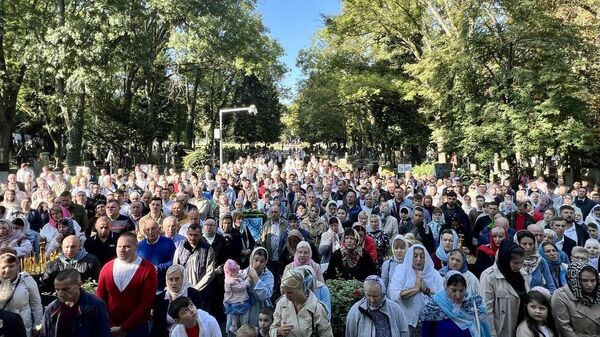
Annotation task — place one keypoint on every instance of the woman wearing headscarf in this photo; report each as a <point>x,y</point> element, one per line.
<point>448,242</point>
<point>382,242</point>
<point>502,287</point>
<point>374,314</point>
<point>535,270</point>
<point>177,286</point>
<point>19,293</point>
<point>457,261</point>
<point>21,224</point>
<point>261,283</point>
<point>319,288</point>
<point>413,284</point>
<point>455,311</point>
<point>389,223</point>
<point>64,228</point>
<point>557,262</point>
<point>331,240</point>
<point>399,247</point>
<point>330,210</point>
<point>303,257</point>
<point>313,224</point>
<point>350,261</point>
<point>576,306</point>
<point>366,242</point>
<point>298,313</point>
<point>9,237</point>
<point>486,254</point>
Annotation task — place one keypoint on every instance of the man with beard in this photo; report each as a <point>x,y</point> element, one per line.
<point>482,224</point>
<point>78,212</point>
<point>573,231</point>
<point>583,202</point>
<point>452,209</point>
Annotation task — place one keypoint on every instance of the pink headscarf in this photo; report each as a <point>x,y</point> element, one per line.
<point>297,263</point>
<point>65,214</point>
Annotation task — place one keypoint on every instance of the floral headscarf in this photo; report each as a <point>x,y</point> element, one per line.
<point>350,257</point>
<point>13,238</point>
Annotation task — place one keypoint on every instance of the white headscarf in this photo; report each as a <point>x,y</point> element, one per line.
<point>405,278</point>
<point>177,268</point>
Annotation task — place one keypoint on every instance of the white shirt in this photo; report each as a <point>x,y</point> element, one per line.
<point>559,244</point>
<point>571,233</point>
<point>123,272</point>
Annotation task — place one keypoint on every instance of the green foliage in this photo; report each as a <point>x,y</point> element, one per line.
<point>344,293</point>
<point>423,169</point>
<point>478,78</point>
<point>196,159</point>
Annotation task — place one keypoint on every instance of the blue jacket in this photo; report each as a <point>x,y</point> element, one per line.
<point>91,321</point>
<point>542,270</point>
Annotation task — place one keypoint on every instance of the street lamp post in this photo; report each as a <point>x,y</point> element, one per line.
<point>251,109</point>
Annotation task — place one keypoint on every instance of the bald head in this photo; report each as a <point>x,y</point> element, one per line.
<point>71,246</point>
<point>502,222</point>
<point>537,231</point>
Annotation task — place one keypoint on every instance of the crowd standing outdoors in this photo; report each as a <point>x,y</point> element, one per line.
<point>172,254</point>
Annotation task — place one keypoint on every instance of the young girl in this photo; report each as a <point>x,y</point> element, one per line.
<point>399,247</point>
<point>236,300</point>
<point>537,318</point>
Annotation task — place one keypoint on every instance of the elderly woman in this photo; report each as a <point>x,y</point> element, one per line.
<point>455,311</point>
<point>303,257</point>
<point>319,288</point>
<point>535,269</point>
<point>448,242</point>
<point>11,238</point>
<point>557,262</point>
<point>457,261</point>
<point>298,313</point>
<point>576,306</point>
<point>375,315</point>
<point>350,261</point>
<point>19,293</point>
<point>177,286</point>
<point>413,284</point>
<point>502,287</point>
<point>261,283</point>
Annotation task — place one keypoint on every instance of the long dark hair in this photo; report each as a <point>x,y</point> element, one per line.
<point>531,323</point>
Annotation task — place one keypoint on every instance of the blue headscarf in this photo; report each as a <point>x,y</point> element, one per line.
<point>441,253</point>
<point>463,269</point>
<point>463,315</point>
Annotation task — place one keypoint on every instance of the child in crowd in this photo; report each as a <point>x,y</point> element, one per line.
<point>537,318</point>
<point>246,331</point>
<point>192,322</point>
<point>437,221</point>
<point>405,223</point>
<point>236,301</point>
<point>265,319</point>
<point>592,229</point>
<point>593,248</point>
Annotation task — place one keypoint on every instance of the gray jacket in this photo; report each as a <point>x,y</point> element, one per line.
<point>360,324</point>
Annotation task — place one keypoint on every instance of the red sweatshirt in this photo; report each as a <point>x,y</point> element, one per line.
<point>131,308</point>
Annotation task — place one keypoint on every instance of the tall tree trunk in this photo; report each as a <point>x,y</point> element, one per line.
<point>75,133</point>
<point>191,111</point>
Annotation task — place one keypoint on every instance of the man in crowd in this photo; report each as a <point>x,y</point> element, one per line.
<point>102,245</point>
<point>71,257</point>
<point>119,223</point>
<point>156,248</point>
<point>75,312</point>
<point>170,228</point>
<point>78,212</point>
<point>562,242</point>
<point>573,231</point>
<point>583,202</point>
<point>198,258</point>
<point>127,285</point>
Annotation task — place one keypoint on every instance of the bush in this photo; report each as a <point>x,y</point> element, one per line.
<point>423,169</point>
<point>196,159</point>
<point>344,293</point>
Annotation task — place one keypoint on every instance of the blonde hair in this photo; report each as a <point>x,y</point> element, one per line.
<point>246,331</point>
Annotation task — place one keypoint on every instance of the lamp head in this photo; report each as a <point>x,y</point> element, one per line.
<point>252,110</point>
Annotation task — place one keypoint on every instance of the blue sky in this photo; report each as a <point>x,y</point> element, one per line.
<point>292,23</point>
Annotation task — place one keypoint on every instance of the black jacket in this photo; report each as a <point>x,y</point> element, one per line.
<point>12,325</point>
<point>104,251</point>
<point>336,270</point>
<point>89,268</point>
<point>161,308</point>
<point>91,320</point>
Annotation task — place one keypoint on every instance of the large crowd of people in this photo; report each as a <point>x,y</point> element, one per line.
<point>246,249</point>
